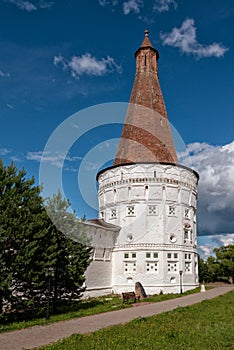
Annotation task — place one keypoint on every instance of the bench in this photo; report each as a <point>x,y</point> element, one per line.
<point>128,295</point>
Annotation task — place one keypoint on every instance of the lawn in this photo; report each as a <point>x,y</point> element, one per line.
<point>208,325</point>
<point>80,309</point>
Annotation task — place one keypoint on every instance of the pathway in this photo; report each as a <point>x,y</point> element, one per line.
<point>41,335</point>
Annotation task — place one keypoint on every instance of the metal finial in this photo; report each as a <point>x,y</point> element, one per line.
<point>146,32</point>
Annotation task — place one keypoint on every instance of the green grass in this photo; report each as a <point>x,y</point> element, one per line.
<point>78,309</point>
<point>208,325</point>
<point>85,308</point>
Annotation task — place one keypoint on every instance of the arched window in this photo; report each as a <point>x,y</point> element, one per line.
<point>187,233</point>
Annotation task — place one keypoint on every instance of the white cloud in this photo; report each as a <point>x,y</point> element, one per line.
<point>136,7</point>
<point>132,6</point>
<point>87,65</point>
<point>185,38</point>
<point>215,165</point>
<point>164,5</point>
<point>4,74</point>
<point>207,244</point>
<point>4,151</point>
<point>15,159</point>
<point>225,239</point>
<point>43,4</point>
<point>104,3</point>
<point>56,158</point>
<point>23,5</point>
<point>206,250</point>
<point>59,61</point>
<point>30,6</point>
<point>9,106</point>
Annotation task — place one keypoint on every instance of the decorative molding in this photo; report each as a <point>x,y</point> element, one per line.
<point>162,247</point>
<point>147,180</point>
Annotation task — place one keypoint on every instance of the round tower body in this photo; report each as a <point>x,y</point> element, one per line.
<point>155,206</point>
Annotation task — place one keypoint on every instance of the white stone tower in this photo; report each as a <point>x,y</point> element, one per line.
<point>149,195</point>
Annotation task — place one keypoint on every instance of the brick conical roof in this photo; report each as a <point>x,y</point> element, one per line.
<point>146,42</point>
<point>146,135</point>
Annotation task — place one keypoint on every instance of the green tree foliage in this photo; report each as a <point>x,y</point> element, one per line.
<point>68,253</point>
<point>214,269</point>
<point>203,270</point>
<point>31,243</point>
<point>21,229</point>
<point>218,268</point>
<point>225,257</point>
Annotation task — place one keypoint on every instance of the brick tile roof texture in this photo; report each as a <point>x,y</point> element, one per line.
<point>146,135</point>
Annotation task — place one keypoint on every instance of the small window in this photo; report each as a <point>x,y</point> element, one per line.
<point>169,255</point>
<point>152,210</point>
<point>133,255</point>
<point>194,218</point>
<point>187,267</point>
<point>152,267</point>
<point>129,238</point>
<point>186,213</point>
<point>171,267</point>
<point>113,213</point>
<point>130,211</point>
<point>175,255</point>
<point>148,255</point>
<point>155,255</point>
<point>172,238</point>
<point>186,234</point>
<point>172,211</point>
<point>126,255</point>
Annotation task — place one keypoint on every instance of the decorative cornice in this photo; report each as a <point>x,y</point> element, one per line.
<point>147,180</point>
<point>142,246</point>
<point>150,164</point>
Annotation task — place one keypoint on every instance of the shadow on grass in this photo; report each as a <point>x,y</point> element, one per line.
<point>32,314</point>
<point>74,309</point>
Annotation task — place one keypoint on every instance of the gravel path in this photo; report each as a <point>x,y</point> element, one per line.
<point>41,335</point>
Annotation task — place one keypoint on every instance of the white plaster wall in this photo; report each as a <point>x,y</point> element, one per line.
<point>150,190</point>
<point>98,276</point>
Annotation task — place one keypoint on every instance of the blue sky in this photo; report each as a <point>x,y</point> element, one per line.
<point>61,57</point>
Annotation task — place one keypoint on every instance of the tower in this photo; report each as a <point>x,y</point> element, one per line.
<point>149,195</point>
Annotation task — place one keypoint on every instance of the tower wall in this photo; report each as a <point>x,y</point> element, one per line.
<point>155,206</point>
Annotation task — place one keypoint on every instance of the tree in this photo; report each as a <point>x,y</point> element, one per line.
<point>214,270</point>
<point>203,270</point>
<point>31,243</point>
<point>21,236</point>
<point>225,257</point>
<point>68,251</point>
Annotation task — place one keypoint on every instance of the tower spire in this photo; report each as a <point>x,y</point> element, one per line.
<point>146,135</point>
<point>146,42</point>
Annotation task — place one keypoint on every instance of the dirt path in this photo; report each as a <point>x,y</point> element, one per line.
<point>41,335</point>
